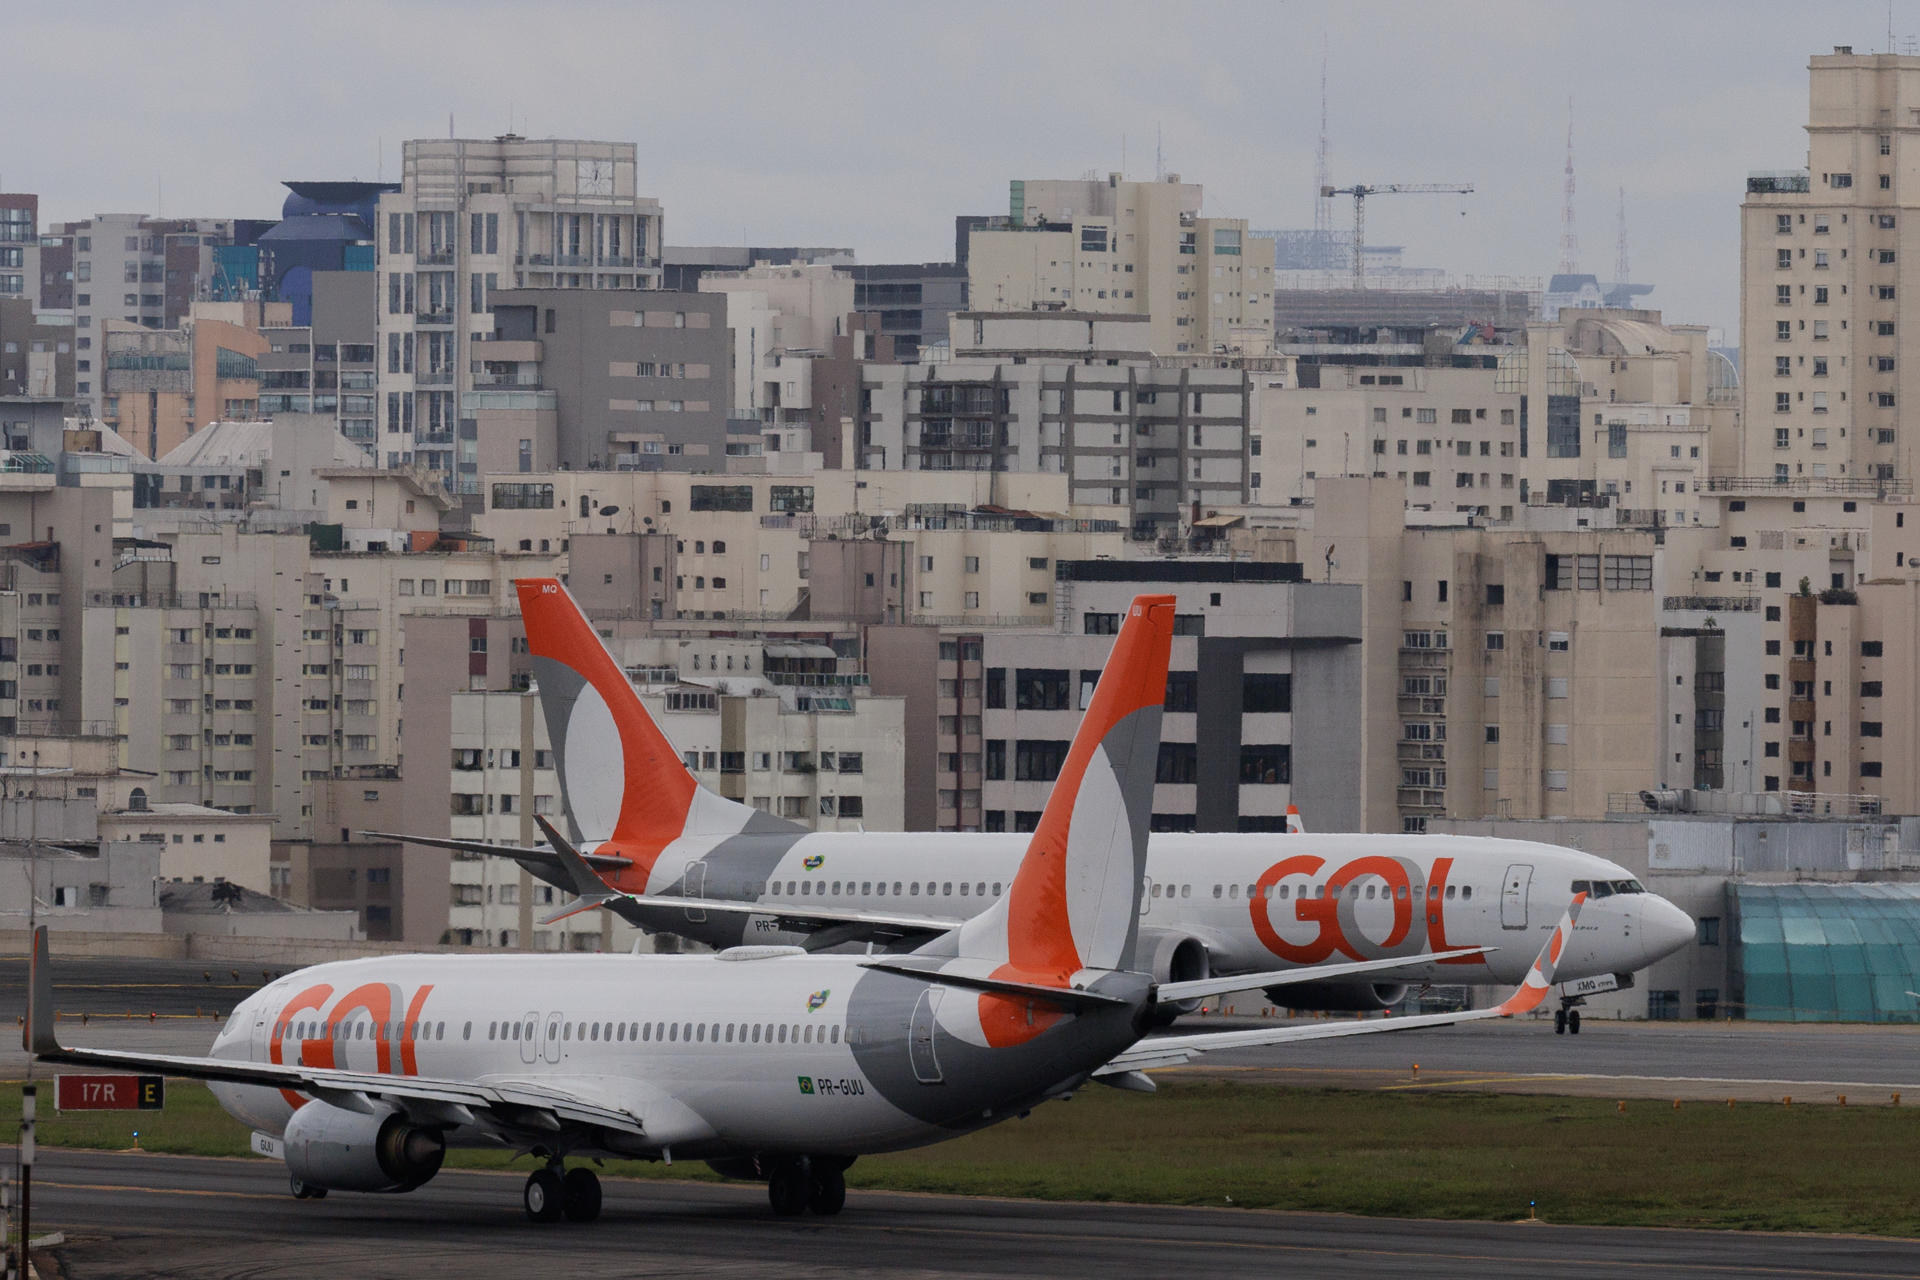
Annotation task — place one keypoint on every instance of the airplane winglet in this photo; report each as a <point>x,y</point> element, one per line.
<point>589,889</point>
<point>1539,980</point>
<point>39,1038</point>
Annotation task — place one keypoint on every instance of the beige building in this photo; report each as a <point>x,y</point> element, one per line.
<point>478,215</point>
<point>1129,248</point>
<point>198,843</point>
<point>1828,352</point>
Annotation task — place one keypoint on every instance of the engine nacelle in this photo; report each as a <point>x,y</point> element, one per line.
<point>1174,957</point>
<point>343,1150</point>
<point>1352,996</point>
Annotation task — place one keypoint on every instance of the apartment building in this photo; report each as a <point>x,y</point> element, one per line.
<point>478,215</point>
<point>1827,346</point>
<point>599,379</point>
<point>912,302</point>
<point>20,266</point>
<point>134,270</point>
<point>327,367</point>
<point>1130,248</point>
<point>1072,393</point>
<point>1262,658</point>
<point>160,385</point>
<point>36,353</point>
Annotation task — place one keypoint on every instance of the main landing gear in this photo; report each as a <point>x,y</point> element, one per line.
<point>305,1190</point>
<point>556,1192</point>
<point>818,1183</point>
<point>1566,1019</point>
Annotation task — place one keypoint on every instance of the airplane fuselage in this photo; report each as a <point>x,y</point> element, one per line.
<point>1255,902</point>
<point>766,1051</point>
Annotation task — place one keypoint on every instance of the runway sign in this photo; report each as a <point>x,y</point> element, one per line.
<point>110,1093</point>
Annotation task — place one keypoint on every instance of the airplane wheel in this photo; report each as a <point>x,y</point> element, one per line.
<point>306,1190</point>
<point>829,1191</point>
<point>1573,1022</point>
<point>580,1195</point>
<point>788,1189</point>
<point>544,1196</point>
<point>1559,1022</point>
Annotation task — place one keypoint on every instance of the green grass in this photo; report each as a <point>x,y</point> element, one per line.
<point>1440,1155</point>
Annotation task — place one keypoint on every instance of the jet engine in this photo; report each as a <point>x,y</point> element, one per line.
<point>1335,996</point>
<point>329,1146</point>
<point>1174,957</point>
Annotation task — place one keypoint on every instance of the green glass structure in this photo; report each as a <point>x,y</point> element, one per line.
<point>1829,952</point>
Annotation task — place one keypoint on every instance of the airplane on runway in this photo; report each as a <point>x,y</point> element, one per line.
<point>765,1061</point>
<point>668,854</point>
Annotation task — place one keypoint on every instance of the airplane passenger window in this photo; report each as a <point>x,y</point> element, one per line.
<point>783,1033</point>
<point>1433,892</point>
<point>1233,891</point>
<point>981,888</point>
<point>700,1033</point>
<point>806,888</point>
<point>866,887</point>
<point>996,888</point>
<point>1156,891</point>
<point>593,1033</point>
<point>1353,893</point>
<point>1219,891</point>
<point>946,889</point>
<point>673,1032</point>
<point>1186,891</point>
<point>790,888</point>
<point>619,1031</point>
<point>1400,892</point>
<point>490,1030</point>
<point>633,1031</point>
<point>1450,891</point>
<point>1370,889</point>
<point>836,1034</point>
<point>729,1033</point>
<point>646,1031</point>
<point>914,888</point>
<point>896,888</point>
<point>566,1031</point>
<point>963,888</point>
<point>756,1033</point>
<point>836,888</point>
<point>1466,891</point>
<point>1286,891</point>
<point>466,1032</point>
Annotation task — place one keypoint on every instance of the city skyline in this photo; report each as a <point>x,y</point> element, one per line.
<point>932,118</point>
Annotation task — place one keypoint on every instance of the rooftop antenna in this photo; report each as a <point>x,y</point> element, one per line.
<point>1323,164</point>
<point>1159,169</point>
<point>1621,270</point>
<point>1569,238</point>
<point>450,126</point>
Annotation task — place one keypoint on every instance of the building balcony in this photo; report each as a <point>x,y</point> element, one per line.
<point>1779,182</point>
<point>433,378</point>
<point>434,319</point>
<point>572,259</point>
<point>436,258</point>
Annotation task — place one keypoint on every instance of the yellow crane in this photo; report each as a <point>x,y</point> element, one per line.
<point>1361,190</point>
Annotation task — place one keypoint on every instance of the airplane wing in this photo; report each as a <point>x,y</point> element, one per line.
<point>829,926</point>
<point>1219,984</point>
<point>1170,1051</point>
<point>543,862</point>
<point>525,1106</point>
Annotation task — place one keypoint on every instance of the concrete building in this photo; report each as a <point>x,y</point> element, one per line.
<point>20,247</point>
<point>1129,248</point>
<point>912,302</point>
<point>1263,659</point>
<point>163,384</point>
<point>139,271</point>
<point>197,843</point>
<point>474,216</point>
<point>37,358</point>
<point>602,379</point>
<point>1823,331</point>
<point>1076,393</point>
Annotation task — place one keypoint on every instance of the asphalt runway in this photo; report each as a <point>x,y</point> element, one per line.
<point>134,1216</point>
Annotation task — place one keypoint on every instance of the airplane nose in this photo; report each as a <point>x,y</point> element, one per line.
<point>1664,928</point>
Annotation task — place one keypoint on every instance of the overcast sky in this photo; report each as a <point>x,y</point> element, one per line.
<point>871,125</point>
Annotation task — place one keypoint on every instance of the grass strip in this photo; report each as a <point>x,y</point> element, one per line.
<point>1436,1155</point>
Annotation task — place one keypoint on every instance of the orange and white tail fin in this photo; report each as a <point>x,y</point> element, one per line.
<point>1539,980</point>
<point>1074,902</point>
<point>1295,826</point>
<point>624,786</point>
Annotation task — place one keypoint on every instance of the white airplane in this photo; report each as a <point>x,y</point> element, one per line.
<point>669,854</point>
<point>766,1061</point>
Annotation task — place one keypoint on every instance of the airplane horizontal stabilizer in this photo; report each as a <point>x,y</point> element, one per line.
<point>1065,997</point>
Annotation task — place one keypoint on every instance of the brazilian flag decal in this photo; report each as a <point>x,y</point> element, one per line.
<point>806,1084</point>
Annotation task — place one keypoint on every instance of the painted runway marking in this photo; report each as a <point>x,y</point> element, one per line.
<point>1470,1078</point>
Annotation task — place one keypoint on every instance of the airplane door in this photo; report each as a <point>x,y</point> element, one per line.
<point>920,1051</point>
<point>529,1028</point>
<point>550,1043</point>
<point>1513,896</point>
<point>1146,894</point>
<point>695,886</point>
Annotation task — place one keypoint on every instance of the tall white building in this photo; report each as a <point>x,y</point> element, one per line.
<point>473,216</point>
<point>1128,248</point>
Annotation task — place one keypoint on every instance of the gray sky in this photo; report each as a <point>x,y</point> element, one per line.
<point>871,125</point>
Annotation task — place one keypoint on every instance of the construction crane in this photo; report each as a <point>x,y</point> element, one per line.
<point>1360,191</point>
